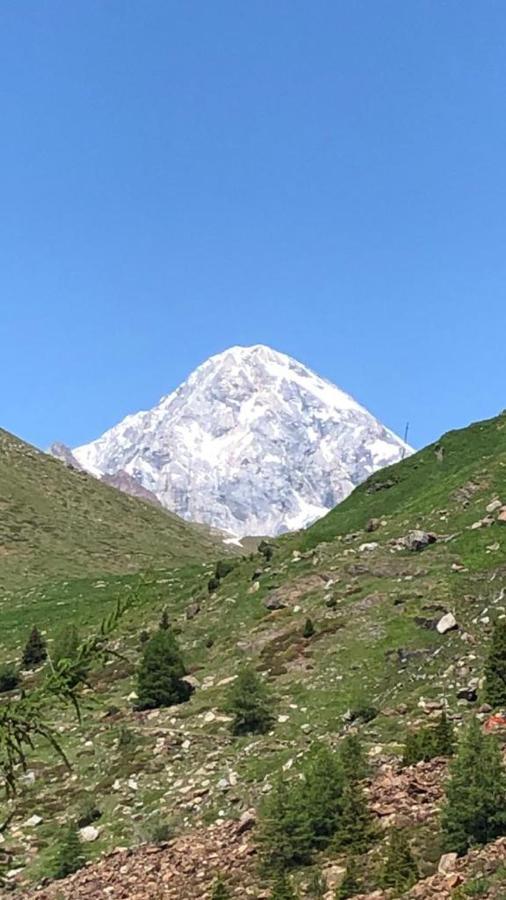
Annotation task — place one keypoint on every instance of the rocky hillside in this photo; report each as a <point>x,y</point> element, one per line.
<point>402,584</point>
<point>56,521</point>
<point>252,443</point>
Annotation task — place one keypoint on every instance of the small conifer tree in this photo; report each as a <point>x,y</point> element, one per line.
<point>285,835</point>
<point>220,890</point>
<point>350,885</point>
<point>495,667</point>
<point>250,702</point>
<point>282,889</point>
<point>356,829</point>
<point>35,651</point>
<point>69,855</point>
<point>164,621</point>
<point>317,886</point>
<point>444,737</point>
<point>400,871</point>
<point>161,671</point>
<point>324,782</point>
<point>308,630</point>
<point>475,808</point>
<point>353,758</point>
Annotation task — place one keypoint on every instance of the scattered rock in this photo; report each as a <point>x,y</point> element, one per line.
<point>192,610</point>
<point>418,540</point>
<point>447,623</point>
<point>89,834</point>
<point>447,864</point>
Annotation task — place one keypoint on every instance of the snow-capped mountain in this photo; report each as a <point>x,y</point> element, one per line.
<point>252,443</point>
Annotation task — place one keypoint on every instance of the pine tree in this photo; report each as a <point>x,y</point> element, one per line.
<point>285,835</point>
<point>495,667</point>
<point>35,651</point>
<point>400,871</point>
<point>350,885</point>
<point>475,808</point>
<point>220,890</point>
<point>282,889</point>
<point>308,630</point>
<point>160,676</point>
<point>317,886</point>
<point>251,703</point>
<point>323,793</point>
<point>444,737</point>
<point>356,829</point>
<point>353,758</point>
<point>164,621</point>
<point>69,855</point>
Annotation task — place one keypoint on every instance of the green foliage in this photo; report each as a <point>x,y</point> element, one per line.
<point>429,742</point>
<point>223,568</point>
<point>213,584</point>
<point>9,677</point>
<point>400,871</point>
<point>308,630</point>
<point>266,550</point>
<point>363,712</point>
<point>282,889</point>
<point>35,651</point>
<point>356,829</point>
<point>158,830</point>
<point>30,717</point>
<point>164,622</point>
<point>475,807</point>
<point>66,651</point>
<point>350,885</point>
<point>353,758</point>
<point>161,671</point>
<point>322,794</point>
<point>251,703</point>
<point>317,886</point>
<point>220,890</point>
<point>69,856</point>
<point>322,807</point>
<point>285,834</point>
<point>495,667</point>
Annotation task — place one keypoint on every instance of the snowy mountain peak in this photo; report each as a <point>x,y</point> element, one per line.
<point>253,442</point>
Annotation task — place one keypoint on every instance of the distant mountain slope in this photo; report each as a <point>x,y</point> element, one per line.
<point>55,521</point>
<point>252,443</point>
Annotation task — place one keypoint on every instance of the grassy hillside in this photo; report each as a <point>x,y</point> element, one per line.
<point>58,522</point>
<point>373,604</point>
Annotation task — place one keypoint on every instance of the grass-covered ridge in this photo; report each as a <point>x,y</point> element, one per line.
<point>56,522</point>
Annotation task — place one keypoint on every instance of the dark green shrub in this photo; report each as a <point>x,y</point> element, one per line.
<point>9,677</point>
<point>282,889</point>
<point>284,835</point>
<point>400,871</point>
<point>475,808</point>
<point>223,568</point>
<point>89,813</point>
<point>429,742</point>
<point>495,667</point>
<point>308,629</point>
<point>317,886</point>
<point>250,701</point>
<point>161,671</point>
<point>213,584</point>
<point>266,550</point>
<point>363,713</point>
<point>356,829</point>
<point>69,855</point>
<point>220,890</point>
<point>35,651</point>
<point>164,621</point>
<point>353,759</point>
<point>350,885</point>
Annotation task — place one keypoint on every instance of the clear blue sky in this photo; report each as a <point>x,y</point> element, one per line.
<point>327,177</point>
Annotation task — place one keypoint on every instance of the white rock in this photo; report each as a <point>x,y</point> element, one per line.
<point>33,821</point>
<point>89,834</point>
<point>446,623</point>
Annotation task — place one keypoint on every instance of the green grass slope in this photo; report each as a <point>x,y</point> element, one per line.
<point>372,604</point>
<point>58,522</point>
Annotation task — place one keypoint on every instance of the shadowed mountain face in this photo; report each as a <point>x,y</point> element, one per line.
<point>252,443</point>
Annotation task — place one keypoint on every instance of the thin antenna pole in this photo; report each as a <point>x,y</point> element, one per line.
<point>406,430</point>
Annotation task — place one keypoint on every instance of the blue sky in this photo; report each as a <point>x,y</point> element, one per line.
<point>325,177</point>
